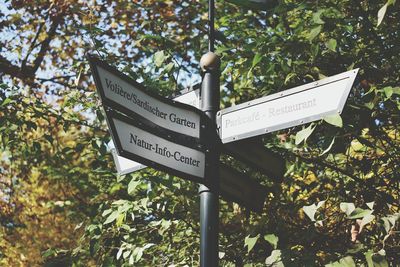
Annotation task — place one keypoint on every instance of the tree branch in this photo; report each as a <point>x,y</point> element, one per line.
<point>32,46</point>
<point>6,67</point>
<point>46,43</point>
<point>27,72</point>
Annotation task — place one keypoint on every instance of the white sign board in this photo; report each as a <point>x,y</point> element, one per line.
<point>124,94</point>
<point>289,108</point>
<point>124,165</point>
<point>156,151</point>
<point>191,98</point>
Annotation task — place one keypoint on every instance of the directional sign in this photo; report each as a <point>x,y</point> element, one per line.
<point>124,165</point>
<point>234,186</point>
<point>239,188</point>
<point>253,152</point>
<point>289,108</point>
<point>136,141</point>
<point>122,93</point>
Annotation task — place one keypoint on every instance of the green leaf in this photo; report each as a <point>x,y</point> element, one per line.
<point>148,245</point>
<point>369,105</point>
<point>357,146</point>
<point>6,101</point>
<point>106,212</point>
<point>250,242</point>
<point>366,220</point>
<point>126,254</point>
<point>272,239</point>
<point>386,224</point>
<point>304,134</point>
<point>347,208</point>
<point>139,254</point>
<point>49,252</point>
<point>317,17</point>
<point>169,67</point>
<point>329,147</point>
<point>381,13</point>
<point>331,44</point>
<point>396,90</point>
<point>370,205</point>
<point>159,58</point>
<point>120,177</point>
<point>112,217</point>
<point>335,120</point>
<point>274,259</point>
<point>257,58</point>
<point>388,92</point>
<point>347,262</point>
<point>120,219</point>
<point>289,76</point>
<point>368,257</point>
<point>355,248</point>
<point>132,186</point>
<point>131,259</point>
<point>119,253</point>
<point>344,262</point>
<point>312,209</point>
<point>315,50</point>
<point>314,32</point>
<point>359,213</point>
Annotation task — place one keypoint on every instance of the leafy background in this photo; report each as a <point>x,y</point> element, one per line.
<point>61,202</point>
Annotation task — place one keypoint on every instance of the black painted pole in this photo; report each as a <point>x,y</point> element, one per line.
<point>211,30</point>
<point>209,202</point>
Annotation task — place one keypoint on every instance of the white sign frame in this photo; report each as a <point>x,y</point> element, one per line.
<point>250,118</point>
<point>190,162</point>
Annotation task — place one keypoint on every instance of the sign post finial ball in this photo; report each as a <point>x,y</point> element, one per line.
<point>209,62</point>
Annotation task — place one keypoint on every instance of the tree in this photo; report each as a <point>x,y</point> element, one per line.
<point>338,203</point>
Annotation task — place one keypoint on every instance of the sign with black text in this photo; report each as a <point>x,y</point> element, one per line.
<point>125,166</point>
<point>135,141</point>
<point>122,93</point>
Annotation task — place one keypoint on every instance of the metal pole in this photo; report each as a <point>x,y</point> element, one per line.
<point>209,202</point>
<point>211,30</point>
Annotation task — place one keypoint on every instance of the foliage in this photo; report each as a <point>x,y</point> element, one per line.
<point>61,201</point>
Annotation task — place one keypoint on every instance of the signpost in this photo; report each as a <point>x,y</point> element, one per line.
<point>182,140</point>
<point>234,186</point>
<point>286,109</point>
